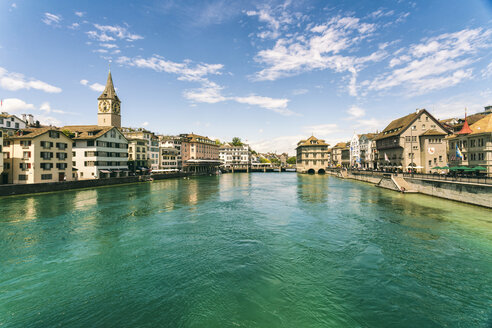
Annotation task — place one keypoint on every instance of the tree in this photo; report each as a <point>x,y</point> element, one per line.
<point>275,160</point>
<point>264,160</point>
<point>291,160</point>
<point>236,141</point>
<point>217,142</point>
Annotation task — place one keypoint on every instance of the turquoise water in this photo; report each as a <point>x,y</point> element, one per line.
<point>239,250</point>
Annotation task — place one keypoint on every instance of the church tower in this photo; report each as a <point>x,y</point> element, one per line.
<point>108,113</point>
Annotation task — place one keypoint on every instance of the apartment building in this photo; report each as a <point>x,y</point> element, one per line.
<point>312,155</point>
<point>8,121</point>
<point>170,153</point>
<point>37,156</point>
<point>199,154</point>
<point>98,151</point>
<point>336,153</point>
<point>152,144</point>
<point>472,146</point>
<point>138,154</point>
<point>415,141</point>
<point>231,155</point>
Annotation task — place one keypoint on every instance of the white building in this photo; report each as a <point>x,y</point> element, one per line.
<point>368,154</point>
<point>8,121</point>
<point>170,153</point>
<point>355,151</point>
<point>235,155</point>
<point>98,151</point>
<point>152,144</point>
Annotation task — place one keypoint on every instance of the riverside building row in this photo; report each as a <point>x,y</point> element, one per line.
<point>31,153</point>
<point>417,142</point>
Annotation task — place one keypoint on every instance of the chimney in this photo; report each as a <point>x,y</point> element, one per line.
<point>30,119</point>
<point>24,117</point>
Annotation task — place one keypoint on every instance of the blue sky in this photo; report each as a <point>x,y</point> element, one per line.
<point>270,73</point>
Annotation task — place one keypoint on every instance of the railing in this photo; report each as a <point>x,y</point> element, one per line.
<point>477,179</point>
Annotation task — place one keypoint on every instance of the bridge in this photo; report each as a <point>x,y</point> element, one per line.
<point>255,167</point>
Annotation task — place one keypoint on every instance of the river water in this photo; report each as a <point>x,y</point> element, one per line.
<point>244,250</point>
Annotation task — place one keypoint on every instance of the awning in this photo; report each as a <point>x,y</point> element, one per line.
<point>105,171</point>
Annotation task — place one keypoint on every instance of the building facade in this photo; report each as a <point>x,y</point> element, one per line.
<point>199,154</point>
<point>336,154</point>
<point>152,144</point>
<point>8,121</point>
<point>1,158</point>
<point>38,156</point>
<point>170,153</point>
<point>138,159</point>
<point>368,152</point>
<point>231,155</point>
<point>474,144</point>
<point>413,142</point>
<point>98,151</point>
<point>312,155</point>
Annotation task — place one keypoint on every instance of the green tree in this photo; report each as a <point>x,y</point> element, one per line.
<point>275,160</point>
<point>236,141</point>
<point>217,142</point>
<point>264,160</point>
<point>291,160</point>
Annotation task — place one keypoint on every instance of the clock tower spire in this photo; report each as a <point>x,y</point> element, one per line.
<point>109,106</point>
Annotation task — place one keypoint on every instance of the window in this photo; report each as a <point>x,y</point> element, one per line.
<point>430,162</point>
<point>61,145</point>
<point>26,155</point>
<point>61,156</point>
<point>61,166</point>
<point>46,155</point>
<point>46,176</point>
<point>90,142</point>
<point>54,134</point>
<point>8,124</point>
<point>16,125</point>
<point>440,158</point>
<point>25,143</point>
<point>22,177</point>
<point>46,166</point>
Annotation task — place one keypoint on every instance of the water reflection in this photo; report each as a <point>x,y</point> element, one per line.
<point>312,188</point>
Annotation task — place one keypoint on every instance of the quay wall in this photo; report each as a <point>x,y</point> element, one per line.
<point>21,189</point>
<point>470,193</point>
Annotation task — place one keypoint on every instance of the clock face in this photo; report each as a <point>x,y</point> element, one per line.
<point>116,108</point>
<point>104,106</point>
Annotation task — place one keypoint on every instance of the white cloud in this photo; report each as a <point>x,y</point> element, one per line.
<point>207,94</point>
<point>14,105</point>
<point>74,26</point>
<point>79,13</point>
<point>274,104</point>
<point>321,130</point>
<point>298,92</point>
<point>108,45</point>
<point>283,144</point>
<point>51,19</point>
<point>101,51</point>
<point>110,32</point>
<point>16,81</point>
<point>436,63</point>
<point>318,48</point>
<point>185,70</point>
<point>94,86</point>
<point>45,107</point>
<point>487,72</point>
<point>103,37</point>
<point>145,123</point>
<point>356,112</point>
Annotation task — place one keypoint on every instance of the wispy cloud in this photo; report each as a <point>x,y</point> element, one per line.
<point>51,19</point>
<point>106,33</point>
<point>318,48</point>
<point>274,104</point>
<point>79,13</point>
<point>356,112</point>
<point>94,86</point>
<point>435,63</point>
<point>16,81</point>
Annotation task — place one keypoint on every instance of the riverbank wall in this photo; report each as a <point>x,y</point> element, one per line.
<point>470,193</point>
<point>22,189</point>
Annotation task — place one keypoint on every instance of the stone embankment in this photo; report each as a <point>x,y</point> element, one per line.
<point>465,192</point>
<point>20,189</point>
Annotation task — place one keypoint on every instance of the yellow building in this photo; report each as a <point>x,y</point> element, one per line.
<point>474,144</point>
<point>199,154</point>
<point>38,156</point>
<point>312,155</point>
<point>137,154</point>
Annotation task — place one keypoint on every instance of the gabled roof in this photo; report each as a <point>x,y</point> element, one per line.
<point>87,132</point>
<point>482,126</point>
<point>340,145</point>
<point>398,126</point>
<point>33,132</point>
<point>433,132</point>
<point>312,141</point>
